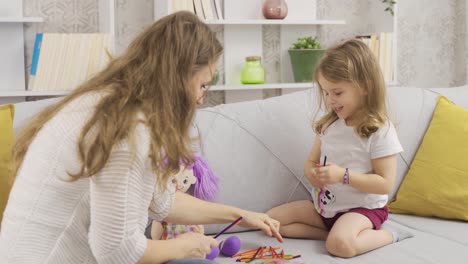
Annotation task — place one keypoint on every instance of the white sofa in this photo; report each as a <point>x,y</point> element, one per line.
<point>258,149</point>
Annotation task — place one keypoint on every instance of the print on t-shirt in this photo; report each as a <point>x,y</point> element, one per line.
<point>324,197</point>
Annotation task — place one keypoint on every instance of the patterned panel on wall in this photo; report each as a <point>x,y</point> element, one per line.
<point>460,77</point>
<point>271,57</point>
<point>131,18</point>
<point>71,16</point>
<point>350,11</point>
<point>217,97</point>
<point>428,45</point>
<point>406,51</point>
<point>219,31</point>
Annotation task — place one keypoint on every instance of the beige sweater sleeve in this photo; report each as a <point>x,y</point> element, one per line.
<point>114,234</point>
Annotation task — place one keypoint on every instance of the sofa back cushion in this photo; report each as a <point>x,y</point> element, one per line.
<point>437,181</point>
<point>258,148</point>
<point>24,111</point>
<point>411,111</point>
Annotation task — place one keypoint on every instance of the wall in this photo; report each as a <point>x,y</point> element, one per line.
<point>432,48</point>
<point>432,44</point>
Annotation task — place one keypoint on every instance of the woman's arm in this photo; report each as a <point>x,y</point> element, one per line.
<point>190,210</point>
<point>114,234</point>
<point>188,245</point>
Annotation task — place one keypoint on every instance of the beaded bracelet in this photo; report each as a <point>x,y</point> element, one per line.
<point>346,177</point>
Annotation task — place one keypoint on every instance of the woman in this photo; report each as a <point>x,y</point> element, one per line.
<point>90,168</point>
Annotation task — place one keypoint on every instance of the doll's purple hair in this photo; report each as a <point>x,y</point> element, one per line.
<point>206,187</point>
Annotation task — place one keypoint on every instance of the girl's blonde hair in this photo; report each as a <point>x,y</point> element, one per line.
<point>352,61</point>
<point>152,77</point>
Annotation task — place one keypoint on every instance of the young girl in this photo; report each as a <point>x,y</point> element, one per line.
<point>350,188</point>
<point>93,167</point>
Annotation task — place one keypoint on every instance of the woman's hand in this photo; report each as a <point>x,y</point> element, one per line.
<point>263,222</point>
<point>194,245</point>
<point>329,174</point>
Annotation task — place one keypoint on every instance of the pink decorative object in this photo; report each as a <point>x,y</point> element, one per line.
<point>275,9</point>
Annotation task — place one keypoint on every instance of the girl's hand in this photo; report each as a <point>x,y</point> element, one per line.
<point>310,171</point>
<point>194,245</point>
<point>329,174</point>
<point>261,221</point>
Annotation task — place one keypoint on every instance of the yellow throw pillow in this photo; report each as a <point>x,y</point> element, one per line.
<point>437,181</point>
<point>6,144</point>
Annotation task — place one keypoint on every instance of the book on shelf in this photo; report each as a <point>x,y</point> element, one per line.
<point>219,9</point>
<point>388,62</point>
<point>204,9</point>
<point>177,6</point>
<point>208,10</point>
<point>199,9</point>
<point>381,45</point>
<point>189,6</point>
<point>35,59</point>
<point>67,60</point>
<point>182,5</point>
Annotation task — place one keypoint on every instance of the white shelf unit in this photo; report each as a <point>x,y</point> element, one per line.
<point>12,66</point>
<point>274,22</point>
<point>243,37</point>
<point>21,19</point>
<point>26,93</point>
<point>243,21</point>
<point>264,86</point>
<point>212,88</point>
<point>382,21</point>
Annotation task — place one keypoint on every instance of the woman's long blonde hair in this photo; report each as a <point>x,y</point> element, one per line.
<point>352,61</point>
<point>152,77</point>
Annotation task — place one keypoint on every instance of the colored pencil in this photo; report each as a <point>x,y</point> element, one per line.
<point>254,256</point>
<point>229,226</point>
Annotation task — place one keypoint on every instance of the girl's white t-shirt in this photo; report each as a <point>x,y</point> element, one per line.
<point>344,147</point>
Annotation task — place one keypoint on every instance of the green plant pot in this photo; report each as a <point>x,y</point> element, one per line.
<point>303,62</point>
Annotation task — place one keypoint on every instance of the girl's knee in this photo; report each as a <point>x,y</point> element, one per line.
<point>276,213</point>
<point>270,212</point>
<point>341,246</point>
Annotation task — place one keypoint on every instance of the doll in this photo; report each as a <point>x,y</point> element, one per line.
<point>205,187</point>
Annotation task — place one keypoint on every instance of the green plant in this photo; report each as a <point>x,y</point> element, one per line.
<point>390,4</point>
<point>306,43</point>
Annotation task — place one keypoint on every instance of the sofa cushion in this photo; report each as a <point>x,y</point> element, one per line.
<point>6,144</point>
<point>24,111</point>
<point>437,181</point>
<point>411,109</point>
<point>265,142</point>
<point>456,231</point>
<point>258,148</point>
<point>425,247</point>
